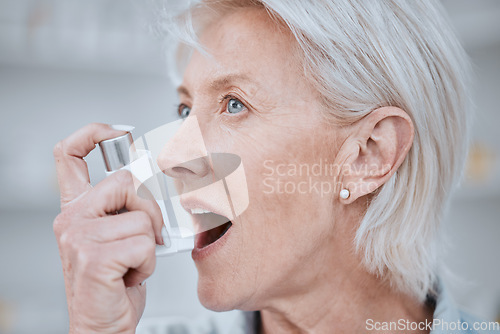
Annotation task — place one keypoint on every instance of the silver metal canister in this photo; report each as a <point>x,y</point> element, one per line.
<point>116,152</point>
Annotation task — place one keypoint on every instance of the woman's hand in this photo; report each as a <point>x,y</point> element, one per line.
<point>105,256</point>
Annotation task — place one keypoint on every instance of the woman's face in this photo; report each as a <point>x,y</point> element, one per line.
<point>250,98</point>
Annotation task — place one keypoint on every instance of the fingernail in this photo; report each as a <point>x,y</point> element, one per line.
<point>122,127</point>
<point>164,235</point>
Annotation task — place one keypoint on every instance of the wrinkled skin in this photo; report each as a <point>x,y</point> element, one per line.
<point>281,123</point>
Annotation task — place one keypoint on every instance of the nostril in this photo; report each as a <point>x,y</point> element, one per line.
<point>181,170</point>
<point>198,167</point>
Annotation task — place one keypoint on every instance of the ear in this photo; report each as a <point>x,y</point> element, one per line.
<point>374,151</point>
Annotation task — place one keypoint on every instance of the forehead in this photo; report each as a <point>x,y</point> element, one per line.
<point>245,43</point>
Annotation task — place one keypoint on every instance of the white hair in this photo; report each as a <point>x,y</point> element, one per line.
<point>361,55</point>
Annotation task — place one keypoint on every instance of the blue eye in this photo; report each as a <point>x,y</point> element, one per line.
<point>184,110</point>
<point>234,106</point>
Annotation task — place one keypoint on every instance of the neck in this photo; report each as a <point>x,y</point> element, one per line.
<point>341,297</point>
<point>342,308</point>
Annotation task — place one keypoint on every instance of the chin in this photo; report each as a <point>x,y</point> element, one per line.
<point>217,296</point>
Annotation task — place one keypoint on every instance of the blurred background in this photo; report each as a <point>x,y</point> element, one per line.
<point>66,63</point>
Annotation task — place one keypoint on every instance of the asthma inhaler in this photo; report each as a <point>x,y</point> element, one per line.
<point>119,153</point>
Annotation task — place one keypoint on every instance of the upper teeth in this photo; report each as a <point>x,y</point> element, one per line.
<point>199,211</point>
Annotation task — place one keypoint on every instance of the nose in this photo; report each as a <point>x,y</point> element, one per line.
<point>185,155</point>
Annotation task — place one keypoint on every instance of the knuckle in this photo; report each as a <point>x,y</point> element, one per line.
<point>86,258</point>
<point>58,150</point>
<point>60,224</point>
<point>67,240</point>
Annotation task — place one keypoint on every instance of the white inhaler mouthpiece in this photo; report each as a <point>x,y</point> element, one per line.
<point>119,153</point>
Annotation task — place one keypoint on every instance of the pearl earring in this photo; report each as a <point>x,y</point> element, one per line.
<point>344,194</point>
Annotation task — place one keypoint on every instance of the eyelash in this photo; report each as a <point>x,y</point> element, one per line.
<point>227,97</point>
<point>222,99</point>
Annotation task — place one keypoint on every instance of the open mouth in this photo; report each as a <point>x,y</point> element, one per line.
<point>212,235</point>
<point>209,237</point>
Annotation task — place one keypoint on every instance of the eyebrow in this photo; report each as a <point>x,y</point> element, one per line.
<point>220,83</point>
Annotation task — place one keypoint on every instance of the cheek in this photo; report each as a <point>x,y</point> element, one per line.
<point>286,206</point>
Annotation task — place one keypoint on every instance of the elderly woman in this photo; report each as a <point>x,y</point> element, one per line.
<point>372,93</point>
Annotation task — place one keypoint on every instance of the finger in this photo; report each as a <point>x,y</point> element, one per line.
<point>133,257</point>
<point>117,192</point>
<point>117,227</point>
<point>72,172</point>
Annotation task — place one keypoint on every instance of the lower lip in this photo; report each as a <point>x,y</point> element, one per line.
<point>199,254</point>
